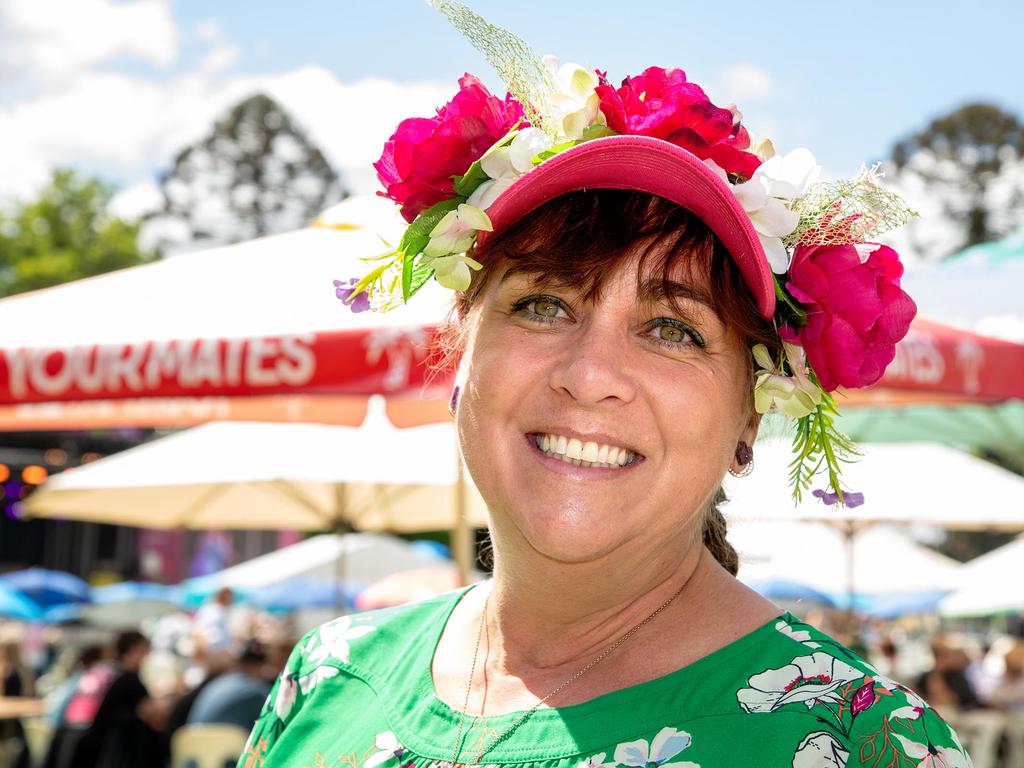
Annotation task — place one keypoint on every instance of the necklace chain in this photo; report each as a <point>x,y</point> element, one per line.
<point>488,746</point>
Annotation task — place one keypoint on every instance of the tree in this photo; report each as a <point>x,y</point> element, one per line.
<point>972,160</point>
<point>65,235</point>
<point>255,174</point>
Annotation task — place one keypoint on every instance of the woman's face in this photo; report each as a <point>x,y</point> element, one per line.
<point>658,395</point>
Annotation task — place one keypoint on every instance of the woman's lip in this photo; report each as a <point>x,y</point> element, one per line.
<point>566,468</point>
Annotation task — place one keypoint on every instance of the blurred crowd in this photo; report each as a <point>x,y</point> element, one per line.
<point>121,703</point>
<point>125,701</point>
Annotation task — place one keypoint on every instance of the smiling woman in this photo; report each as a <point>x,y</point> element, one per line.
<point>626,313</point>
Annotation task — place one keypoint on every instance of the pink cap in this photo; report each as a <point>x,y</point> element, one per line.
<point>649,165</point>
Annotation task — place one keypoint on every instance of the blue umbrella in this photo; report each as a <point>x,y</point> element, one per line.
<point>792,591</point>
<point>134,592</point>
<point>15,605</point>
<point>48,588</point>
<point>296,594</point>
<point>907,604</point>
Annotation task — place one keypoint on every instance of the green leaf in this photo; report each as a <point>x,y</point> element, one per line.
<point>466,184</point>
<point>417,234</point>
<point>597,132</point>
<point>407,279</point>
<point>542,156</point>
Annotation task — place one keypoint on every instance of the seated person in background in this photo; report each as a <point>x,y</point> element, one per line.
<point>216,665</point>
<point>236,697</point>
<point>85,687</point>
<point>125,731</point>
<point>1008,694</point>
<point>946,685</point>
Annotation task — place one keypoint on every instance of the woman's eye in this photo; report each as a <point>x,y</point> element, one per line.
<point>545,308</point>
<point>673,333</point>
<point>539,308</point>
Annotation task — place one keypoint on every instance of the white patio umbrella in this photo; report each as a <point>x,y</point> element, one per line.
<point>989,584</point>
<point>901,482</point>
<point>253,475</point>
<point>885,561</point>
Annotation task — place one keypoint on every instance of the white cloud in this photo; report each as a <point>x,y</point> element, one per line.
<point>745,82</point>
<point>47,41</point>
<point>129,126</point>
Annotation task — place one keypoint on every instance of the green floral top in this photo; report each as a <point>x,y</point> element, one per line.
<point>357,692</point>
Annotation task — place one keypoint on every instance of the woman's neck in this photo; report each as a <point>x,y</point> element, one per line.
<point>546,615</point>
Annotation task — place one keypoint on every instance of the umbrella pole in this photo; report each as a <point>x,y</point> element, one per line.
<point>849,532</point>
<point>462,543</point>
<point>340,528</point>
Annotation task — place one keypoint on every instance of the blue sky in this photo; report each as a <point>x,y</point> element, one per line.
<point>115,87</point>
<point>847,79</point>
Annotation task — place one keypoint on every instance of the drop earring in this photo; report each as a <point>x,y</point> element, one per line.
<point>745,458</point>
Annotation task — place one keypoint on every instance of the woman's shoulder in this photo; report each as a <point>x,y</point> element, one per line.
<point>366,640</point>
<point>857,716</point>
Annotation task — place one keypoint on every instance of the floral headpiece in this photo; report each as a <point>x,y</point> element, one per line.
<point>839,309</point>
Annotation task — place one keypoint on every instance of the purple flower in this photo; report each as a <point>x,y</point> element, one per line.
<point>344,290</point>
<point>850,498</point>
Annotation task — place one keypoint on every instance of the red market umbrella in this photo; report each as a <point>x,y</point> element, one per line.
<point>255,319</point>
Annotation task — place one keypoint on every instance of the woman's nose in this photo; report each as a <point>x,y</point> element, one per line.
<point>593,367</point>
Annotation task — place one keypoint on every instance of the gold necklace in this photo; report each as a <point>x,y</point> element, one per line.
<point>487,747</point>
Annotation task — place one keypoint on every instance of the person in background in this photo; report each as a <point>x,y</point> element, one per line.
<point>61,697</point>
<point>125,731</point>
<point>1008,694</point>
<point>210,628</point>
<point>236,697</point>
<point>946,684</point>
<point>216,665</point>
<point>17,681</point>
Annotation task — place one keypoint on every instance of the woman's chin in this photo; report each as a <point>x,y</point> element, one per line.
<point>572,536</point>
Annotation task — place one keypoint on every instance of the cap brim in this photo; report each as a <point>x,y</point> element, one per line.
<point>648,165</point>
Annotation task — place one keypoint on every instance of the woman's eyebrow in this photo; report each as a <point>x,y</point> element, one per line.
<point>657,289</point>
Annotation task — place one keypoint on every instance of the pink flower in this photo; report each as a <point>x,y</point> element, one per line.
<point>661,103</point>
<point>856,310</point>
<point>420,159</point>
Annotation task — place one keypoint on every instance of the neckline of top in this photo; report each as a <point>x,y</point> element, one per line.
<point>550,732</point>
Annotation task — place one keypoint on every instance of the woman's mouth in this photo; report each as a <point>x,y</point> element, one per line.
<point>581,453</point>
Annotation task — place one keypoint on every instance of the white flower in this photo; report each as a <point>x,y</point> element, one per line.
<point>456,231</point>
<point>310,681</point>
<point>820,750</point>
<point>287,690</point>
<point>915,706</point>
<point>932,756</point>
<point>666,744</point>
<point>503,165</point>
<point>575,102</point>
<point>801,636</point>
<point>807,679</point>
<point>453,271</point>
<point>768,198</point>
<point>333,640</point>
<point>795,395</point>
<point>389,747</point>
<point>597,761</point>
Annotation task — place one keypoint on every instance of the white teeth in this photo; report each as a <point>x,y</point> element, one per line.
<point>589,454</point>
<point>574,449</point>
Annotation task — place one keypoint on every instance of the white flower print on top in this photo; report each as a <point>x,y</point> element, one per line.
<point>667,744</point>
<point>389,748</point>
<point>915,704</point>
<point>597,761</point>
<point>308,682</point>
<point>820,750</point>
<point>331,640</point>
<point>801,636</point>
<point>287,690</point>
<point>807,679</point>
<point>934,757</point>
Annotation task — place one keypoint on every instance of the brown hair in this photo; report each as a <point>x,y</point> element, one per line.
<point>581,237</point>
